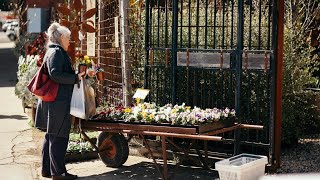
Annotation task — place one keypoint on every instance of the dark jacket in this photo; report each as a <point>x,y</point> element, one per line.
<point>54,117</point>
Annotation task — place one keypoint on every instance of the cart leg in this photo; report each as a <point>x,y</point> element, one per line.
<point>164,156</point>
<point>89,140</point>
<point>154,160</point>
<point>206,154</point>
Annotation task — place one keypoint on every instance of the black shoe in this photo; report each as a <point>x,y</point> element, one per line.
<point>71,175</point>
<point>46,175</point>
<point>64,177</point>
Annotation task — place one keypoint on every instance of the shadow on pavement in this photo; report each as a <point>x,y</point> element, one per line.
<point>148,171</point>
<point>16,117</point>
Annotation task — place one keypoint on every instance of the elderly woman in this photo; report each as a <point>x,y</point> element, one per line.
<point>54,117</point>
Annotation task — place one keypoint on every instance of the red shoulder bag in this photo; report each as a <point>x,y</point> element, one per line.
<point>42,86</point>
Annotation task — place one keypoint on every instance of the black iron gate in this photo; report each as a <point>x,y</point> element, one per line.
<point>216,53</point>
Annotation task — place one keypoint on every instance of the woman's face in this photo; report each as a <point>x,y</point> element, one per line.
<point>65,41</point>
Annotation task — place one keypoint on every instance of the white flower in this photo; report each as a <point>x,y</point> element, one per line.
<point>136,110</point>
<point>167,111</point>
<point>233,112</point>
<point>227,110</point>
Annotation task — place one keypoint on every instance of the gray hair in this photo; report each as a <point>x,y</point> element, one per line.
<point>55,31</point>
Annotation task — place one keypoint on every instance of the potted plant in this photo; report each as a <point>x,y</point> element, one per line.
<point>30,59</point>
<point>84,62</point>
<point>100,75</point>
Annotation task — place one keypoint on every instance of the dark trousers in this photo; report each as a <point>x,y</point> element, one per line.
<point>53,153</point>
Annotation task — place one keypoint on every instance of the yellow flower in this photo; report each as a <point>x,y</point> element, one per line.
<point>174,111</point>
<point>127,110</point>
<point>86,57</point>
<point>151,116</point>
<point>188,107</point>
<point>143,106</point>
<point>144,115</point>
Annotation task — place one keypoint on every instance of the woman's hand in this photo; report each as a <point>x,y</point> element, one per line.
<point>81,75</point>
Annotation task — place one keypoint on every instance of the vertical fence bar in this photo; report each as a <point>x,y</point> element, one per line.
<point>272,83</point>
<point>151,29</point>
<point>174,51</point>
<point>250,26</point>
<point>269,23</point>
<point>189,24</point>
<point>223,24</point>
<point>214,24</point>
<point>146,46</point>
<point>259,33</point>
<point>166,24</point>
<point>239,69</point>
<point>206,25</point>
<point>197,25</point>
<point>188,79</point>
<point>279,77</point>
<point>158,24</point>
<point>258,95</point>
<point>181,22</point>
<point>249,94</point>
<point>232,14</point>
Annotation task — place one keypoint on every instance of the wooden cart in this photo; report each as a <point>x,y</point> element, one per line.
<point>112,146</point>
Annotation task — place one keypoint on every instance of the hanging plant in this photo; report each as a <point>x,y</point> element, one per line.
<point>71,18</point>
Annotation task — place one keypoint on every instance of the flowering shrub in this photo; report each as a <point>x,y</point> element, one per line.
<point>94,70</point>
<point>98,68</point>
<point>29,62</point>
<point>83,59</point>
<point>110,112</point>
<point>27,68</point>
<point>175,115</point>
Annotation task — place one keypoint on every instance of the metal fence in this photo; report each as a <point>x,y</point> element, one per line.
<point>205,53</point>
<point>215,53</point>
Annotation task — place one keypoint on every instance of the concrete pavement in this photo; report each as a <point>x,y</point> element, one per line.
<point>13,122</point>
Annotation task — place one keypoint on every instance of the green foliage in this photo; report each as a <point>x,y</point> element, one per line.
<point>27,68</point>
<point>78,145</point>
<point>299,115</point>
<point>23,41</point>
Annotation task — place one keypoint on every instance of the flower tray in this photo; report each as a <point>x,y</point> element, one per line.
<point>167,127</point>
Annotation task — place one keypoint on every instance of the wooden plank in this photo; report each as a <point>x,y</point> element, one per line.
<point>104,125</point>
<point>176,135</point>
<point>198,59</point>
<point>216,125</point>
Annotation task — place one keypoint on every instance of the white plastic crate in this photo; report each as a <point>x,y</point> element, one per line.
<point>242,167</point>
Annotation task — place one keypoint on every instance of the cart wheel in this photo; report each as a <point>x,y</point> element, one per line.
<point>114,151</point>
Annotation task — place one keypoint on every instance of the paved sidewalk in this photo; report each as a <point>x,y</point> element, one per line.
<point>13,122</point>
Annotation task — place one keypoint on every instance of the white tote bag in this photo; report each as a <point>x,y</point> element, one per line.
<point>82,101</point>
